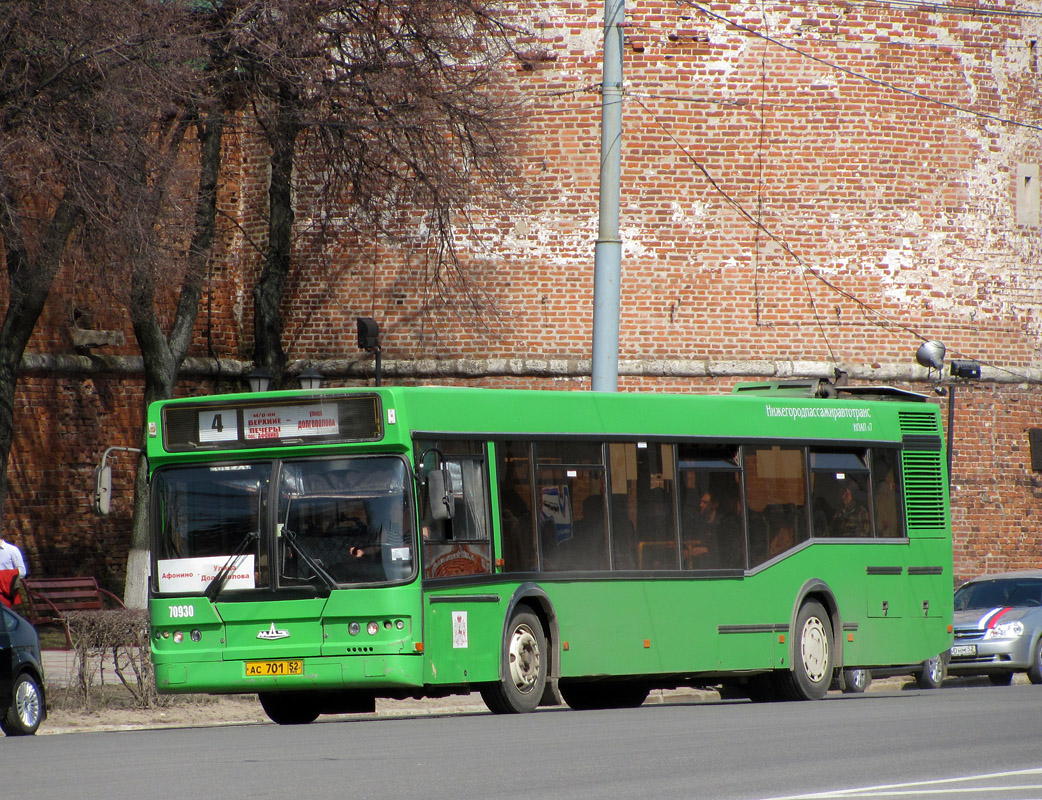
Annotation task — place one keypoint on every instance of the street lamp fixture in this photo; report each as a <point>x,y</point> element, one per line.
<point>310,378</point>
<point>259,380</point>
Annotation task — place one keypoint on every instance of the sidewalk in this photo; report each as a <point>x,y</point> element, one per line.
<point>60,668</point>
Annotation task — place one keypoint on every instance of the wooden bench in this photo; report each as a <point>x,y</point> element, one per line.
<point>48,600</point>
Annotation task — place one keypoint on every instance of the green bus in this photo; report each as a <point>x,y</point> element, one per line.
<point>325,548</point>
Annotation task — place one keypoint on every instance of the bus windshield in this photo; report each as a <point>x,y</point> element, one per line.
<point>335,521</point>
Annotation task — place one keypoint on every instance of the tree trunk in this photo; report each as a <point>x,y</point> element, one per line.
<point>267,294</point>
<point>29,283</point>
<point>163,355</point>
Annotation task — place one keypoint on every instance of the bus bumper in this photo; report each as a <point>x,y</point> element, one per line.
<point>371,672</point>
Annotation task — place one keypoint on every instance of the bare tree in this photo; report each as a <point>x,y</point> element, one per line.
<point>108,106</point>
<point>394,104</point>
<point>204,105</point>
<point>81,84</point>
<point>363,92</point>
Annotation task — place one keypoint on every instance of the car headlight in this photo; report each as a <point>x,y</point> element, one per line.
<point>1006,630</point>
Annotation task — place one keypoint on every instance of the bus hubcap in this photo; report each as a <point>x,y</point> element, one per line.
<point>524,658</point>
<point>814,646</point>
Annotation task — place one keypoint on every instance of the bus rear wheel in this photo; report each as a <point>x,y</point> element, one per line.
<point>523,669</point>
<point>290,708</point>
<point>931,674</point>
<point>856,680</point>
<point>812,666</point>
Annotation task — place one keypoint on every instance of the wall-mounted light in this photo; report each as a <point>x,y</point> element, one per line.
<point>310,378</point>
<point>369,339</point>
<point>368,333</point>
<point>930,355</point>
<point>965,368</point>
<point>259,379</point>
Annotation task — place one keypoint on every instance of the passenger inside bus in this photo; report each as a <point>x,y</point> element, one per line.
<point>851,518</point>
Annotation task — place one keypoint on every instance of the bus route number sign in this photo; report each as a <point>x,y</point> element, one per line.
<point>256,669</point>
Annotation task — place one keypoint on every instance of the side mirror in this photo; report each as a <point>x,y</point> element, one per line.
<point>102,489</point>
<point>439,494</point>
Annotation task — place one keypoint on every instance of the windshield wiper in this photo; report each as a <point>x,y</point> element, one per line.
<point>214,587</point>
<point>308,559</point>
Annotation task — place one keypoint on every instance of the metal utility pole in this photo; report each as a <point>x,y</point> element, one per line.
<point>607,260</point>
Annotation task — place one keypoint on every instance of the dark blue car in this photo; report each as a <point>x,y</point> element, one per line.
<point>23,705</point>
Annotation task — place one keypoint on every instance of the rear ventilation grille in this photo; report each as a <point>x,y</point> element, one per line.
<point>924,488</point>
<point>919,422</point>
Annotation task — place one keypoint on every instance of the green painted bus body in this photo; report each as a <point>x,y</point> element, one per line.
<point>892,598</point>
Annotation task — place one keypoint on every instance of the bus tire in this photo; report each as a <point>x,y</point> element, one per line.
<point>931,673</point>
<point>290,708</point>
<point>813,656</point>
<point>856,680</point>
<point>523,668</point>
<point>592,695</point>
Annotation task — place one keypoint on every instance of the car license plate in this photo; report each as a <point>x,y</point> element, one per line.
<point>283,667</point>
<point>963,650</point>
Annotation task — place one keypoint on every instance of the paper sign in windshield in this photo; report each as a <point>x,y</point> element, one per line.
<point>194,574</point>
<point>290,422</point>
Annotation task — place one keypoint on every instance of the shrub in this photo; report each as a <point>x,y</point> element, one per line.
<point>123,635</point>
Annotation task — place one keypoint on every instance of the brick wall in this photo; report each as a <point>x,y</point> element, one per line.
<point>888,216</point>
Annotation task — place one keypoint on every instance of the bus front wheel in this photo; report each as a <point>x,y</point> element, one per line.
<point>812,666</point>
<point>523,671</point>
<point>290,708</point>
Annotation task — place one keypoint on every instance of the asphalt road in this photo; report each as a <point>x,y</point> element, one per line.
<point>969,742</point>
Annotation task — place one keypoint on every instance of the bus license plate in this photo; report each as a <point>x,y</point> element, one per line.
<point>284,667</point>
<point>964,650</point>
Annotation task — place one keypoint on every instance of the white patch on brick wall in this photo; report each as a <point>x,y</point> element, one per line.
<point>690,216</point>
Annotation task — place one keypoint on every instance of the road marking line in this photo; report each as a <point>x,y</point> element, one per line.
<point>921,788</point>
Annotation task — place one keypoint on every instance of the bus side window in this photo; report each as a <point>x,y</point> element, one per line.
<point>643,533</point>
<point>514,469</point>
<point>775,481</point>
<point>461,545</point>
<point>572,514</point>
<point>840,494</point>
<point>712,521</point>
<point>885,495</point>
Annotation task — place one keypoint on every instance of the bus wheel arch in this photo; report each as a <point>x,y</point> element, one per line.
<point>522,665</point>
<point>815,650</point>
<point>533,596</point>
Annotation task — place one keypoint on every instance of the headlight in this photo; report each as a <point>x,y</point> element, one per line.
<point>1006,630</point>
